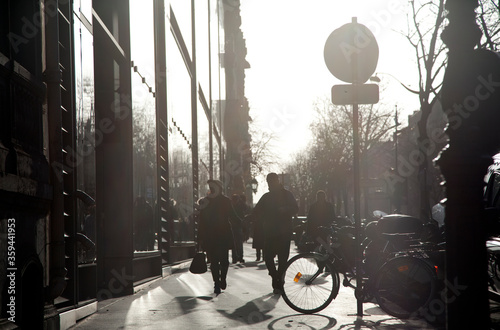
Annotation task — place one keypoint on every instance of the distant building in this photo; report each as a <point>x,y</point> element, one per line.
<point>395,184</point>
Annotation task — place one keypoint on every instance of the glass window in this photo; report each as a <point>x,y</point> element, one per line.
<point>86,140</point>
<point>203,151</point>
<point>214,49</point>
<point>180,220</point>
<point>4,28</point>
<point>202,46</point>
<point>14,40</point>
<point>84,7</point>
<point>144,125</point>
<point>221,45</point>
<point>216,158</point>
<point>182,13</point>
<point>142,39</point>
<point>222,159</point>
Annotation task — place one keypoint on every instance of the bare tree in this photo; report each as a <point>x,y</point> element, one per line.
<point>327,162</point>
<point>300,178</point>
<point>488,18</point>
<point>144,150</point>
<point>425,25</point>
<point>262,149</point>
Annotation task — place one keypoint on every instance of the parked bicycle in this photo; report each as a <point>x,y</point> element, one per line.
<point>406,282</point>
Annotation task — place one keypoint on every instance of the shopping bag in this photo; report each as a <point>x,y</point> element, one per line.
<point>199,263</point>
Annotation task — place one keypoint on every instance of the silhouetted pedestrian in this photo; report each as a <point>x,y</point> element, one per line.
<point>143,224</point>
<point>241,209</point>
<point>257,236</point>
<point>245,210</point>
<point>275,210</point>
<point>321,214</point>
<point>215,234</point>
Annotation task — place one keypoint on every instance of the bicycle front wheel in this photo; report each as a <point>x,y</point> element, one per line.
<point>404,285</point>
<point>309,283</point>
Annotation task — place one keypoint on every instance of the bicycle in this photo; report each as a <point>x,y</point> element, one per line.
<point>405,283</point>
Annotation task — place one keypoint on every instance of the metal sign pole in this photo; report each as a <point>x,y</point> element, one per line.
<point>357,218</point>
<point>351,54</point>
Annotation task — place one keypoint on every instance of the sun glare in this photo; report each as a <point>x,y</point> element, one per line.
<point>285,43</point>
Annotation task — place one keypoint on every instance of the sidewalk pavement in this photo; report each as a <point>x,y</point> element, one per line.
<point>186,301</point>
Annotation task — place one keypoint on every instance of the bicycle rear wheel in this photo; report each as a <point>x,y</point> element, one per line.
<point>404,285</point>
<point>310,283</point>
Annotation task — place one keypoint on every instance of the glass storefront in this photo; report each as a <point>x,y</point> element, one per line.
<point>144,125</point>
<point>203,71</point>
<point>125,101</point>
<point>183,15</point>
<point>209,94</point>
<point>179,144</point>
<point>195,93</point>
<point>86,136</point>
<point>217,81</point>
<point>204,172</point>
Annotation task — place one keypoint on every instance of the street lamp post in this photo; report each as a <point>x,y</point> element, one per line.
<point>255,185</point>
<point>376,78</point>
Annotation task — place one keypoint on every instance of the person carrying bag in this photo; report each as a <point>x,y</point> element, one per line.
<point>214,232</point>
<point>199,263</point>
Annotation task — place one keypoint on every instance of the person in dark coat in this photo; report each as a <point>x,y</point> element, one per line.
<point>143,224</point>
<point>275,210</point>
<point>321,214</point>
<point>257,237</point>
<point>238,228</point>
<point>214,232</point>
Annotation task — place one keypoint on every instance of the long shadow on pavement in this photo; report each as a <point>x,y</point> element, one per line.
<point>254,311</point>
<point>260,265</point>
<point>390,323</point>
<point>306,321</point>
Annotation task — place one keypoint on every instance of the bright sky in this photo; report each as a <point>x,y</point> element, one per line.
<point>285,41</point>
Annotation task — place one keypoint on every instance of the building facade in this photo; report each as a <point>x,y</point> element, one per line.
<point>394,181</point>
<point>114,114</point>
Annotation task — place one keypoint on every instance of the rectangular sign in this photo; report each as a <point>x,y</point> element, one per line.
<point>355,94</point>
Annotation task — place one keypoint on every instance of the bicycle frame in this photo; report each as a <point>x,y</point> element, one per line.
<point>335,257</point>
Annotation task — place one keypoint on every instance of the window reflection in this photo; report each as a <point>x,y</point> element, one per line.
<point>144,126</point>
<point>217,80</point>
<point>180,218</point>
<point>144,172</point>
<point>182,12</point>
<point>216,158</point>
<point>202,45</point>
<point>84,7</point>
<point>85,143</point>
<point>203,150</point>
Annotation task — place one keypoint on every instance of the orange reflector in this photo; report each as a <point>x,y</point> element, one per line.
<point>436,268</point>
<point>297,277</point>
<point>403,268</point>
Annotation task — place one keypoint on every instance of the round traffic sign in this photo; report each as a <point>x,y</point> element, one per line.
<point>351,53</point>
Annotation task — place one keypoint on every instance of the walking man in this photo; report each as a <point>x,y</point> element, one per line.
<point>275,210</point>
<point>321,214</point>
<point>215,235</point>
<point>240,208</point>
